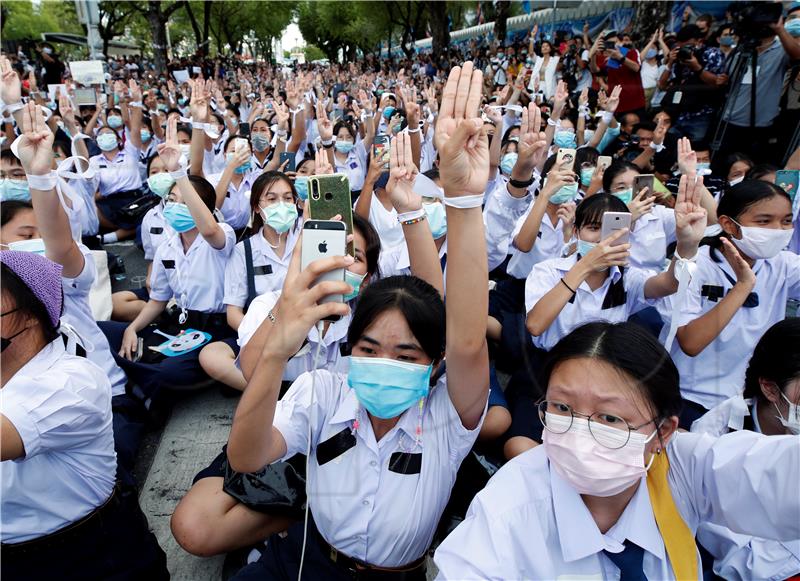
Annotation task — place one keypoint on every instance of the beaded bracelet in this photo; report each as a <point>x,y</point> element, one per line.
<point>414,221</point>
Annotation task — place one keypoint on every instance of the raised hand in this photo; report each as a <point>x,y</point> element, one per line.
<point>660,132</point>
<point>687,158</point>
<point>135,91</point>
<point>557,178</point>
<point>744,274</point>
<point>690,216</point>
<point>282,113</point>
<point>612,102</point>
<point>402,173</point>
<point>433,102</point>
<point>460,137</point>
<point>607,254</point>
<point>641,204</point>
<point>324,125</point>
<point>566,213</point>
<point>532,146</point>
<point>170,151</point>
<point>494,113</point>
<point>583,98</point>
<point>65,108</point>
<point>561,96</point>
<point>411,106</point>
<point>322,165</point>
<point>36,143</point>
<point>10,85</point>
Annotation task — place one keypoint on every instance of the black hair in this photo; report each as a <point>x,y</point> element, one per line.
<point>507,134</point>
<point>701,145</point>
<point>302,162</point>
<point>262,183</point>
<point>418,302</point>
<point>184,128</point>
<point>432,173</point>
<point>150,162</point>
<point>11,208</point>
<point>590,210</point>
<point>646,125</point>
<point>28,303</point>
<point>586,155</point>
<point>627,347</point>
<point>615,169</point>
<point>348,126</point>
<point>372,244</point>
<point>63,146</point>
<point>205,190</point>
<point>775,358</point>
<point>760,170</point>
<point>689,32</point>
<point>8,155</point>
<point>732,159</point>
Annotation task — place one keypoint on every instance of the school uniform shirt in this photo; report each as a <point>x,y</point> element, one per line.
<point>501,212</point>
<point>120,174</point>
<point>196,278</point>
<point>257,165</point>
<point>376,501</point>
<point>78,314</point>
<point>154,231</point>
<point>428,150</point>
<point>613,301</point>
<point>390,232</point>
<point>529,523</point>
<point>148,151</point>
<point>269,269</point>
<point>717,372</point>
<point>334,353</point>
<point>548,245</point>
<point>214,161</point>
<point>83,220</point>
<point>60,405</point>
<point>650,236</point>
<point>354,167</point>
<point>236,207</point>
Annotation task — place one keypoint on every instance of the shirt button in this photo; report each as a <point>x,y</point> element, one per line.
<point>365,502</point>
<point>373,463</point>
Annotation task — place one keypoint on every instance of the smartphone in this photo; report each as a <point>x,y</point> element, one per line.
<point>244,129</point>
<point>380,149</point>
<point>566,157</point>
<point>240,144</point>
<point>85,97</point>
<point>323,239</point>
<point>290,157</point>
<point>789,181</point>
<point>643,181</point>
<point>613,221</point>
<point>604,161</point>
<point>329,195</point>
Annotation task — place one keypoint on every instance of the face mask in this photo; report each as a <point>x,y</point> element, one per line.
<point>280,216</point>
<point>14,190</point>
<point>792,422</point>
<point>586,176</point>
<point>589,467</point>
<point>437,219</point>
<point>703,168</point>
<point>260,142</point>
<point>47,50</point>
<point>178,217</point>
<point>565,194</point>
<point>182,101</point>
<point>186,148</point>
<point>396,128</point>
<point>508,162</point>
<point>762,242</point>
<point>34,245</point>
<point>354,280</point>
<point>107,141</point>
<point>729,40</point>
<point>564,139</point>
<point>793,26</point>
<point>625,195</point>
<point>344,146</point>
<point>145,135</point>
<point>115,121</point>
<point>162,107</point>
<point>651,54</point>
<point>584,247</point>
<point>301,187</point>
<point>735,181</point>
<point>160,184</point>
<point>239,169</point>
<point>386,387</point>
<point>388,112</point>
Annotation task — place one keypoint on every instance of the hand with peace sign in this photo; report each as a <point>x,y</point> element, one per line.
<point>36,142</point>
<point>324,125</point>
<point>10,85</point>
<point>402,173</point>
<point>532,147</point>
<point>170,151</point>
<point>690,216</point>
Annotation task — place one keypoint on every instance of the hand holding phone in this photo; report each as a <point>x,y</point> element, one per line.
<point>324,239</point>
<point>613,222</point>
<point>565,158</point>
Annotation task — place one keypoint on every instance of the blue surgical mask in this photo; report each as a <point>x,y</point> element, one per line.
<point>162,107</point>
<point>730,41</point>
<point>354,280</point>
<point>145,135</point>
<point>301,187</point>
<point>160,184</point>
<point>35,245</point>
<point>396,129</point>
<point>586,176</point>
<point>178,217</point>
<point>565,138</point>
<point>182,101</point>
<point>17,190</point>
<point>650,54</point>
<point>584,247</point>
<point>508,162</point>
<point>703,168</point>
<point>437,219</point>
<point>793,26</point>
<point>388,112</point>
<point>259,141</point>
<point>240,169</point>
<point>114,121</point>
<point>280,216</point>
<point>625,195</point>
<point>344,146</point>
<point>565,194</point>
<point>107,141</point>
<point>387,387</point>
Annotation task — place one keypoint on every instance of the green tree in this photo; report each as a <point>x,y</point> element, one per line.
<point>114,17</point>
<point>313,53</point>
<point>347,26</point>
<point>23,21</point>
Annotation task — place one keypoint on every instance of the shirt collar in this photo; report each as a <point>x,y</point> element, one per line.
<point>638,524</point>
<point>44,359</point>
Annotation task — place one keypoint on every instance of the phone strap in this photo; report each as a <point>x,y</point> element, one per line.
<point>251,276</point>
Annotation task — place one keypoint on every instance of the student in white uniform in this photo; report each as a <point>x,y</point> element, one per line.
<point>61,515</point>
<point>614,492</point>
<point>381,430</point>
<point>770,405</point>
<point>234,184</point>
<point>350,154</point>
<point>742,281</point>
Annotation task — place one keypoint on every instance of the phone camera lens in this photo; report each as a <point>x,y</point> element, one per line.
<point>328,196</point>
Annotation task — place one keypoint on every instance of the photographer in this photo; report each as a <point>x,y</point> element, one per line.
<point>615,56</point>
<point>693,78</point>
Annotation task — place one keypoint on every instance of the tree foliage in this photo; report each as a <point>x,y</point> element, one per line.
<point>23,20</point>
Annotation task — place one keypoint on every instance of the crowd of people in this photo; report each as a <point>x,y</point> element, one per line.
<point>562,340</point>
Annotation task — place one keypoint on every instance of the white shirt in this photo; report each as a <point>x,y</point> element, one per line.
<point>334,353</point>
<point>120,174</point>
<point>360,506</point>
<point>548,87</point>
<point>78,314</point>
<point>501,212</point>
<point>717,372</point>
<point>529,523</point>
<point>269,269</point>
<point>196,279</point>
<point>546,246</point>
<point>650,74</point>
<point>354,166</point>
<point>587,304</point>
<point>61,406</point>
<point>154,231</point>
<point>83,218</point>
<point>236,207</point>
<point>651,234</point>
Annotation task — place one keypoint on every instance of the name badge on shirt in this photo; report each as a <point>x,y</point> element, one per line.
<point>155,230</point>
<point>353,165</point>
<point>712,292</point>
<point>335,446</point>
<point>259,270</point>
<point>168,263</point>
<point>406,463</point>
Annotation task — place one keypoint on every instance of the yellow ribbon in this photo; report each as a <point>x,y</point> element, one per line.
<point>678,538</point>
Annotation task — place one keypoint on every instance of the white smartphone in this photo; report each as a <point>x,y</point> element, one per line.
<point>604,161</point>
<point>566,157</point>
<point>613,221</point>
<point>239,144</point>
<point>323,239</point>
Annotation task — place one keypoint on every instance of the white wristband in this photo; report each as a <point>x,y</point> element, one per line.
<point>137,104</point>
<point>43,182</point>
<point>552,123</point>
<point>179,173</point>
<point>327,143</point>
<point>281,132</point>
<point>13,107</point>
<point>464,202</point>
<point>198,125</point>
<point>607,117</point>
<point>412,130</point>
<point>412,215</point>
<point>659,147</point>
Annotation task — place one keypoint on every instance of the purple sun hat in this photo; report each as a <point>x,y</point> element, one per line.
<point>41,275</point>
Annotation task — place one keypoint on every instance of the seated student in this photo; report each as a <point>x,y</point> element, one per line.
<point>739,288</point>
<point>61,515</point>
<point>234,184</point>
<point>771,384</point>
<point>735,168</point>
<point>614,491</point>
<point>127,304</point>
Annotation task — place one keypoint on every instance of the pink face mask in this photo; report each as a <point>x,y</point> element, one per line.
<point>590,467</point>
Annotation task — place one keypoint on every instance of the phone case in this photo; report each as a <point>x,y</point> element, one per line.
<point>643,181</point>
<point>322,239</point>
<point>613,221</point>
<point>380,149</point>
<point>789,181</point>
<point>291,157</point>
<point>566,155</point>
<point>329,195</point>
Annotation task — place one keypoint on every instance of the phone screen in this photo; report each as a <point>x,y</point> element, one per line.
<point>380,149</point>
<point>643,181</point>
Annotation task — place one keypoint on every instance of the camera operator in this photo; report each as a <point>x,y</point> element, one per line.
<point>615,56</point>
<point>692,79</point>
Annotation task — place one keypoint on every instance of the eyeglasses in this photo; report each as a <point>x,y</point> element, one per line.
<point>599,422</point>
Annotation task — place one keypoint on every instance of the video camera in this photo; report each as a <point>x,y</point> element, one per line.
<point>752,20</point>
<point>687,51</point>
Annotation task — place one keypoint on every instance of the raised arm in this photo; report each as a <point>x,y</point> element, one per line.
<point>135,114</point>
<point>529,233</point>
<point>531,150</point>
<point>198,107</point>
<point>412,117</point>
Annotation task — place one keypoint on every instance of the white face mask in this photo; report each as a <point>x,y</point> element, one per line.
<point>762,242</point>
<point>589,467</point>
<point>792,423</point>
<point>735,181</point>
